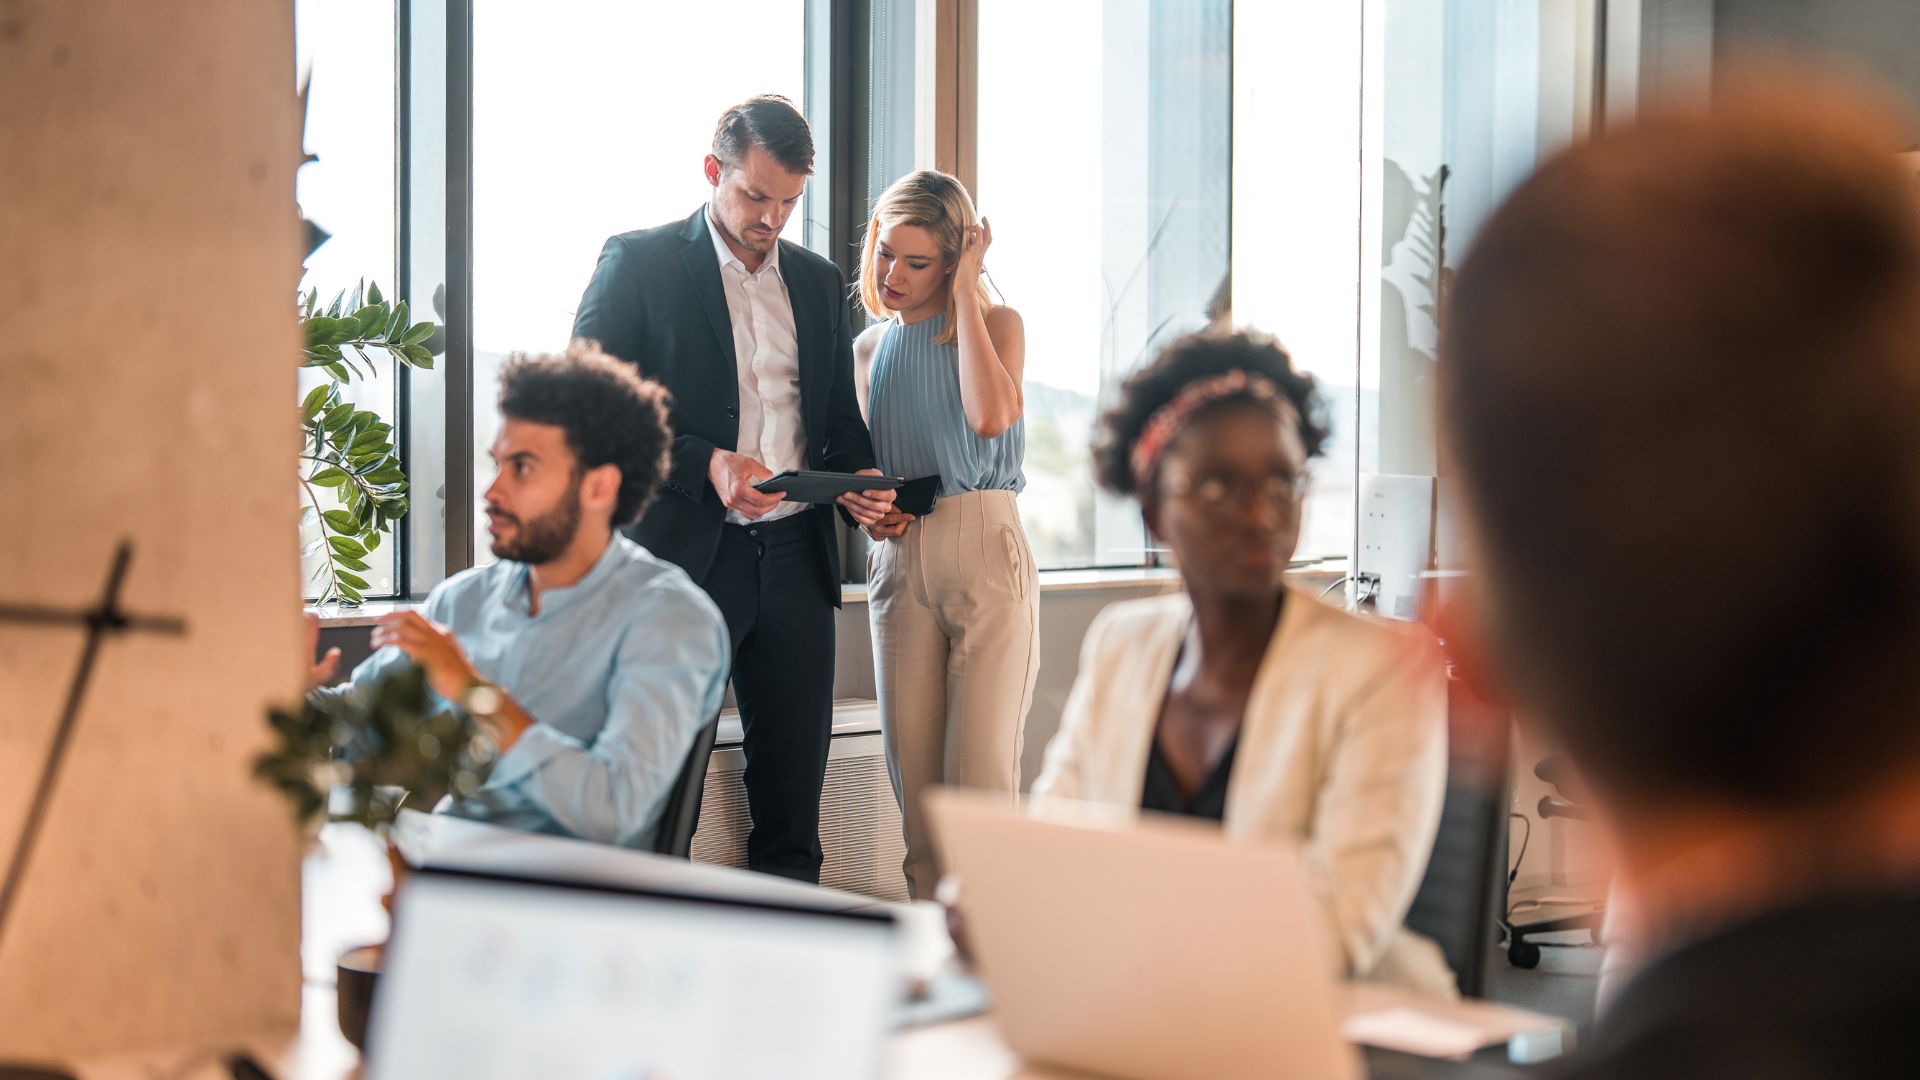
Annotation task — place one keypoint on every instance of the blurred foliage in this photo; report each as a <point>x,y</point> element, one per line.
<point>382,745</point>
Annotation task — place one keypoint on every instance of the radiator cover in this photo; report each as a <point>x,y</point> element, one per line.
<point>859,821</point>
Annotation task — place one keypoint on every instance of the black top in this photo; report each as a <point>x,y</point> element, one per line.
<point>1830,989</point>
<point>656,301</point>
<point>1163,794</point>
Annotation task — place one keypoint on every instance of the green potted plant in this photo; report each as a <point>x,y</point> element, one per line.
<point>360,754</point>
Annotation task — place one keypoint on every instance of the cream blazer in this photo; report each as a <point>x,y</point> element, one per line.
<point>1343,752</point>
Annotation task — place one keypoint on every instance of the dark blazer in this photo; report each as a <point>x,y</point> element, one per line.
<point>656,302</point>
<point>1827,989</point>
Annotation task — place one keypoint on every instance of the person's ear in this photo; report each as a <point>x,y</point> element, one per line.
<point>600,487</point>
<point>1457,615</point>
<point>713,169</point>
<point>1150,513</point>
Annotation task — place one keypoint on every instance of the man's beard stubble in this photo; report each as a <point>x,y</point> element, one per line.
<point>546,537</point>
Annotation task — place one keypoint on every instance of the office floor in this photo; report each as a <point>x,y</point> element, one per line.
<point>1563,985</point>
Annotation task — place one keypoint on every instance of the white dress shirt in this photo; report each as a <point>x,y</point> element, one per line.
<point>767,364</point>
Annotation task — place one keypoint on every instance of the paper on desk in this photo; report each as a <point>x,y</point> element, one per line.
<point>1400,1020</point>
<point>1411,1031</point>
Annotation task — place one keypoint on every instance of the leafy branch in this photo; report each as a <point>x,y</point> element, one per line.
<point>364,321</point>
<point>347,449</point>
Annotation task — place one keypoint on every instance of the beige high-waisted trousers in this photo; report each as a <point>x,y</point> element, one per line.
<point>955,611</point>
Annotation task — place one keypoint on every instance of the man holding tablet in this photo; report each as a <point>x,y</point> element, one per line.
<point>751,336</point>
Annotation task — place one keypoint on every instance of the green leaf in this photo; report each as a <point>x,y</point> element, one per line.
<point>315,400</point>
<point>331,476</point>
<point>339,415</point>
<point>339,372</point>
<point>321,330</point>
<point>354,580</point>
<point>419,357</point>
<point>368,440</point>
<point>372,320</point>
<point>350,563</point>
<point>373,542</point>
<point>346,545</point>
<point>419,333</point>
<point>389,475</point>
<point>339,298</point>
<point>373,292</point>
<point>350,595</point>
<point>341,520</point>
<point>399,319</point>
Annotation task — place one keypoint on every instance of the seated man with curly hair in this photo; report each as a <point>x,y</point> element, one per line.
<point>593,663</point>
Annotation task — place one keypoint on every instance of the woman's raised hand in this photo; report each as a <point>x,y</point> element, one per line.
<point>973,252</point>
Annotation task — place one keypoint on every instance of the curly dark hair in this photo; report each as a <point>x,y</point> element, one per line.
<point>612,416</point>
<point>773,124</point>
<point>1179,365</point>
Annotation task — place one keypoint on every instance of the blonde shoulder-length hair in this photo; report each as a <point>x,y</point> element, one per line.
<point>938,203</point>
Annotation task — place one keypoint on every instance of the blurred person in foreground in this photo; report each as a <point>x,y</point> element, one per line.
<point>1681,379</point>
<point>1240,699</point>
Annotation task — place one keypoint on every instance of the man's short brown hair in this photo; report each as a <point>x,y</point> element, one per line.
<point>1681,377</point>
<point>773,124</point>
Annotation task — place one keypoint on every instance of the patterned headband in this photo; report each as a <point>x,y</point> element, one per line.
<point>1170,419</point>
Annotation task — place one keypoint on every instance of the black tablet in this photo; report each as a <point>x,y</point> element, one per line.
<point>822,487</point>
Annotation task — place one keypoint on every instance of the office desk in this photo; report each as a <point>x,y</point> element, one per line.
<point>971,1049</point>
<point>968,1049</point>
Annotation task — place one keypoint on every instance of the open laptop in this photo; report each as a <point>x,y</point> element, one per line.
<point>496,976</point>
<point>1153,949</point>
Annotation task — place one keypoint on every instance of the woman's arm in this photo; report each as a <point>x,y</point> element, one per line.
<point>1379,804</point>
<point>993,346</point>
<point>863,349</point>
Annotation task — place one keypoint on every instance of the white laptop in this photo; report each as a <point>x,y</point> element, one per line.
<point>1153,949</point>
<point>494,976</point>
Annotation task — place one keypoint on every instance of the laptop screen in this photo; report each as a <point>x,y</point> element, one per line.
<point>497,977</point>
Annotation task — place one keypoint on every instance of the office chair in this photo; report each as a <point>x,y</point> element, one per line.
<point>1563,802</point>
<point>1454,905</point>
<point>681,815</point>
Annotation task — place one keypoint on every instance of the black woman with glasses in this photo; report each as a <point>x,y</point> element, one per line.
<point>1240,699</point>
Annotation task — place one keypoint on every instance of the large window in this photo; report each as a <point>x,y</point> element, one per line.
<point>1104,152</point>
<point>346,47</point>
<point>590,118</point>
<point>1151,167</point>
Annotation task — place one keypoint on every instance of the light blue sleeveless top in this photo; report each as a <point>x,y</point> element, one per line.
<point>918,423</point>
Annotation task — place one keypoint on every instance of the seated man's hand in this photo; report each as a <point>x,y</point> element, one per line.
<point>321,673</point>
<point>433,647</point>
<point>733,476</point>
<point>868,507</point>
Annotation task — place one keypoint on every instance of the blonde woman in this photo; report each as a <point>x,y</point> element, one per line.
<point>952,591</point>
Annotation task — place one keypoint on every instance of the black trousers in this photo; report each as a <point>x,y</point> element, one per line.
<point>768,583</point>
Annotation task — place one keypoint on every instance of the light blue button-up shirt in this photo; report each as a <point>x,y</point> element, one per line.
<point>619,670</point>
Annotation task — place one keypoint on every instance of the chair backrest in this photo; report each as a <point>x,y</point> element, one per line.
<point>681,815</point>
<point>1455,903</point>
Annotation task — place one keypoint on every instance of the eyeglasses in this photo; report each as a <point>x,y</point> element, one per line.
<point>1278,489</point>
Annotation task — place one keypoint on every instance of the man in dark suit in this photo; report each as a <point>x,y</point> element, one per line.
<point>751,336</point>
<point>1682,380</point>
